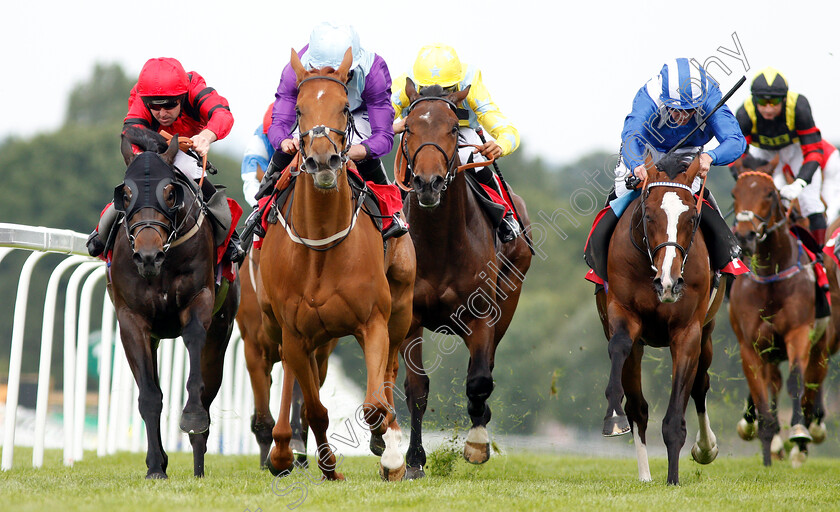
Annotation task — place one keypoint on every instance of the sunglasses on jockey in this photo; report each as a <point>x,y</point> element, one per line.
<point>161,103</point>
<point>769,100</point>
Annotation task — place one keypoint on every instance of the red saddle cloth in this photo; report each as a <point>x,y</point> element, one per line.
<point>387,196</point>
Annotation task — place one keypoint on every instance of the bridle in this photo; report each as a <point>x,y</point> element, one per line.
<point>452,169</point>
<point>172,228</point>
<point>646,240</point>
<point>761,230</point>
<point>337,161</point>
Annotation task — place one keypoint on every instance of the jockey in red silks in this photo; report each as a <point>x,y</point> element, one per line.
<point>168,98</point>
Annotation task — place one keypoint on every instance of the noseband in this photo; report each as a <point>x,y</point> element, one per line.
<point>325,131</point>
<point>646,240</point>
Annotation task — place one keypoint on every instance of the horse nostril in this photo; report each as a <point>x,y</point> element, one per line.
<point>417,183</point>
<point>335,162</point>
<point>678,287</point>
<point>138,260</point>
<point>310,163</point>
<point>657,284</point>
<point>437,183</point>
<point>159,258</point>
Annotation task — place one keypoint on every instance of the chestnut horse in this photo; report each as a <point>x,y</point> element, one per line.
<point>658,294</point>
<point>261,354</point>
<point>773,316</point>
<point>467,283</point>
<point>325,274</point>
<point>162,283</point>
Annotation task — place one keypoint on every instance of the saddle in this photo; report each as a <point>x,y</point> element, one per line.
<point>379,202</point>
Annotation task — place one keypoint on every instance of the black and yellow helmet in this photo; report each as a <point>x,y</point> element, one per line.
<point>769,82</point>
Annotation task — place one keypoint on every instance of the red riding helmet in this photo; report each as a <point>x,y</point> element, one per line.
<point>163,76</point>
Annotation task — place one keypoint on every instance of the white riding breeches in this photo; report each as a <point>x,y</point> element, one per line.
<point>810,201</point>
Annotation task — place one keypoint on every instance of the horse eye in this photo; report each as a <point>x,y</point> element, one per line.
<point>454,130</point>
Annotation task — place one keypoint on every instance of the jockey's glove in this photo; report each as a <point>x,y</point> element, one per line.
<point>792,190</point>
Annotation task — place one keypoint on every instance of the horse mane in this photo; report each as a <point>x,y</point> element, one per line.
<point>753,162</point>
<point>674,164</point>
<point>145,139</point>
<point>433,91</point>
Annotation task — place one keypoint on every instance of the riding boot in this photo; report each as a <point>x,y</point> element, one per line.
<point>253,225</point>
<point>509,228</point>
<point>95,243</point>
<point>721,242</point>
<point>817,225</point>
<point>373,170</point>
<point>219,212</point>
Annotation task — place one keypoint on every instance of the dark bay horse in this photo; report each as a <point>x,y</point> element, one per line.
<point>658,294</point>
<point>261,354</point>
<point>467,283</point>
<point>162,283</point>
<point>773,316</point>
<point>325,274</point>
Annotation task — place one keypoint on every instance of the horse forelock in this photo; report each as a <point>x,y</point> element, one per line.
<point>432,91</point>
<point>145,139</point>
<point>674,164</point>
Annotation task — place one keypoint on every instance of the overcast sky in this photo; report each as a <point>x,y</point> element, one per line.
<point>564,75</point>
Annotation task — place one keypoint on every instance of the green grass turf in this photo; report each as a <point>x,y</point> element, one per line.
<point>509,482</point>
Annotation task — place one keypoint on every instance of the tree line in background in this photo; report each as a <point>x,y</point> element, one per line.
<point>551,367</point>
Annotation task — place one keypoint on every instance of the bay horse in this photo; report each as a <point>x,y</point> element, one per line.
<point>162,283</point>
<point>467,283</point>
<point>261,354</point>
<point>772,311</point>
<point>658,294</point>
<point>325,274</point>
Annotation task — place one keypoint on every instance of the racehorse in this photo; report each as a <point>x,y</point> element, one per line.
<point>467,284</point>
<point>658,294</point>
<point>326,274</point>
<point>162,283</point>
<point>261,354</point>
<point>773,316</point>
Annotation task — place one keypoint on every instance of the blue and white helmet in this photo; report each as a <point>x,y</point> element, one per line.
<point>327,45</point>
<point>684,84</point>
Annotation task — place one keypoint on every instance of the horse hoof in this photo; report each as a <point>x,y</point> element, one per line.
<point>274,471</point>
<point>392,475</point>
<point>302,462</point>
<point>703,457</point>
<point>194,422</point>
<point>616,426</point>
<point>799,433</point>
<point>476,453</point>
<point>818,432</point>
<point>746,430</point>
<point>157,475</point>
<point>797,457</point>
<point>377,444</point>
<point>414,473</point>
<point>297,447</point>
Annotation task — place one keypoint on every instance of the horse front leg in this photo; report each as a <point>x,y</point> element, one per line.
<point>378,411</point>
<point>280,458</point>
<point>637,408</point>
<point>416,398</point>
<point>482,347</point>
<point>259,365</point>
<point>619,347</point>
<point>705,448</point>
<point>685,354</point>
<point>798,344</point>
<point>142,359</point>
<point>195,418</point>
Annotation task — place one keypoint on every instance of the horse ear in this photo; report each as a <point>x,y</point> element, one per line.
<point>693,169</point>
<point>651,168</point>
<point>460,96</point>
<point>297,66</point>
<point>737,167</point>
<point>411,90</point>
<point>344,68</point>
<point>169,155</point>
<point>772,164</point>
<point>125,149</point>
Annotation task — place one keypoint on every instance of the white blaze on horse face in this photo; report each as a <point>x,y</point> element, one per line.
<point>427,117</point>
<point>673,207</point>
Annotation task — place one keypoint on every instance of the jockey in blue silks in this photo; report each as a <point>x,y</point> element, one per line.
<point>666,109</point>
